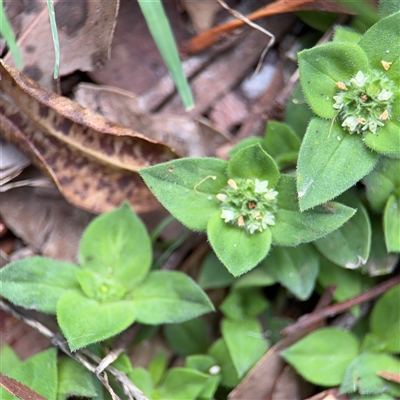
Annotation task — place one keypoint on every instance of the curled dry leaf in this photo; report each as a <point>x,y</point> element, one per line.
<point>85,30</point>
<point>93,161</point>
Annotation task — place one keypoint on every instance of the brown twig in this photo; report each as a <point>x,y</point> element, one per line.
<point>330,311</point>
<point>208,38</point>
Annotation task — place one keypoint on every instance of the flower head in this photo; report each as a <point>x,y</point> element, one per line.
<point>248,204</point>
<point>365,102</point>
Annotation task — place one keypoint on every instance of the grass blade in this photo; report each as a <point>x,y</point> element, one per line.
<point>160,29</point>
<point>7,33</point>
<point>52,16</point>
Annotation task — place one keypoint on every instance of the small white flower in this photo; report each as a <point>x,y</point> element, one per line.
<point>360,80</point>
<point>228,215</point>
<point>271,195</point>
<point>221,197</point>
<point>385,95</point>
<point>253,227</point>
<point>350,123</point>
<point>338,102</point>
<point>269,219</point>
<point>260,186</point>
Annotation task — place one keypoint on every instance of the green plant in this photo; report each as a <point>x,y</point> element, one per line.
<point>110,289</point>
<point>354,89</point>
<point>332,356</point>
<point>245,205</point>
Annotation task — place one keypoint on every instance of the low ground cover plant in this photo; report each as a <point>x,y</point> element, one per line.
<point>299,211</point>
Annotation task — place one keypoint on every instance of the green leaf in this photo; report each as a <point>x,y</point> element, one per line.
<point>293,227</point>
<point>385,320</point>
<point>388,140</point>
<point>74,380</point>
<point>348,283</point>
<point>330,161</point>
<point>219,351</point>
<point>382,182</point>
<point>9,360</point>
<point>250,141</point>
<point>84,321</point>
<point>254,162</point>
<point>238,250</point>
<point>169,297</point>
<point>158,366</point>
<point>257,277</point>
<point>142,379</point>
<point>392,224</point>
<point>100,288</point>
<point>213,274</point>
<point>207,365</point>
<point>381,41</point>
<point>243,303</point>
<point>318,20</point>
<point>379,262</point>
<point>37,283</point>
<point>361,375</point>
<point>322,66</point>
<point>349,245</point>
<point>117,247</point>
<point>297,112</point>
<point>387,7</point>
<point>183,384</point>
<point>190,337</point>
<point>160,29</point>
<point>296,268</point>
<point>346,34</point>
<point>245,343</point>
<point>39,373</point>
<point>282,144</point>
<point>187,188</point>
<point>323,356</point>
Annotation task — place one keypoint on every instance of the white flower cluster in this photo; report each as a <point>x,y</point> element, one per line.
<point>248,204</point>
<point>364,102</point>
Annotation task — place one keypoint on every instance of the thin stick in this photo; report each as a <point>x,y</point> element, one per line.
<point>128,387</point>
<point>330,311</point>
<point>244,19</point>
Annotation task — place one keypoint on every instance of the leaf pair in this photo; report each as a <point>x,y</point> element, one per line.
<point>110,290</point>
<point>196,191</point>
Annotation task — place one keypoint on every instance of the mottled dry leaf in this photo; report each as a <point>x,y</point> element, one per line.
<point>85,30</point>
<point>18,389</point>
<point>93,161</point>
<point>179,132</point>
<point>47,223</point>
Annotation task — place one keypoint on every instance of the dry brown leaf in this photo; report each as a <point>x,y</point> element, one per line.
<point>47,223</point>
<point>179,132</point>
<point>18,389</point>
<point>85,30</point>
<point>93,161</point>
